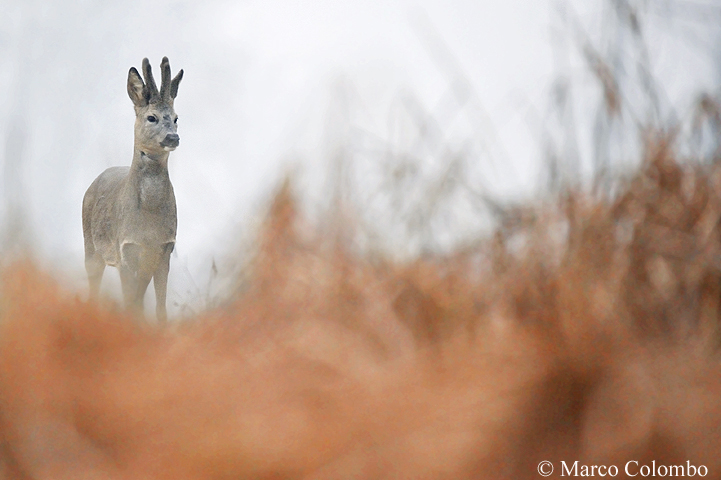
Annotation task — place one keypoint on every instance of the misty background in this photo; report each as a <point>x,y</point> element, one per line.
<point>451,103</point>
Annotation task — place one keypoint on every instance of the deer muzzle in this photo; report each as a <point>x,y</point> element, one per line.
<point>171,141</point>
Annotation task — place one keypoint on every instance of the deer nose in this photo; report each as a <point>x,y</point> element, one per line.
<point>171,140</point>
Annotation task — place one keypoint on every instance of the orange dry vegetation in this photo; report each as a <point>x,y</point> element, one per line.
<point>599,345</point>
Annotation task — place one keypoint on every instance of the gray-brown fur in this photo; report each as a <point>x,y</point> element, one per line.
<point>129,213</point>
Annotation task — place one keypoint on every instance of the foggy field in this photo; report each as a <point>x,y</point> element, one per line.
<point>416,240</point>
<point>599,347</point>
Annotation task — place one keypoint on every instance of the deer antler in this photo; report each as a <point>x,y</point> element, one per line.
<point>165,83</point>
<point>168,88</point>
<point>152,90</point>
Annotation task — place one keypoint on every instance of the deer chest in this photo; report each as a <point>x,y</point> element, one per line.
<point>155,194</point>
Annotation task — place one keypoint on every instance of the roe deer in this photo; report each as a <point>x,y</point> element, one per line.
<point>129,213</point>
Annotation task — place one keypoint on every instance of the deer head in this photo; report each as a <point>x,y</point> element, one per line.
<point>156,124</point>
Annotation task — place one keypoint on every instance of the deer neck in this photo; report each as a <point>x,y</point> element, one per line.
<point>150,181</point>
<point>145,163</point>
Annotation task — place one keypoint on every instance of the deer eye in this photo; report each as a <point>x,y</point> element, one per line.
<point>176,120</point>
<point>152,119</point>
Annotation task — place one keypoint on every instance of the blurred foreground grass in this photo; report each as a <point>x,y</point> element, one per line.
<point>582,326</point>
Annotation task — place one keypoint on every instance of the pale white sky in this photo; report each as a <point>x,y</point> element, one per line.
<point>262,92</point>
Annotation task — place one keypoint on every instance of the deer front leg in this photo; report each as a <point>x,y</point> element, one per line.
<point>95,266</point>
<point>135,274</point>
<point>134,284</point>
<point>160,282</point>
<point>129,283</point>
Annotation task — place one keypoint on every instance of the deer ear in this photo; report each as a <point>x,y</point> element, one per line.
<point>136,88</point>
<point>174,84</point>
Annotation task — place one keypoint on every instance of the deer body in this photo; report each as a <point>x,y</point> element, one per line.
<point>129,213</point>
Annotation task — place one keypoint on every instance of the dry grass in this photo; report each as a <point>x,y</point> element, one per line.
<point>585,329</point>
<point>588,332</point>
